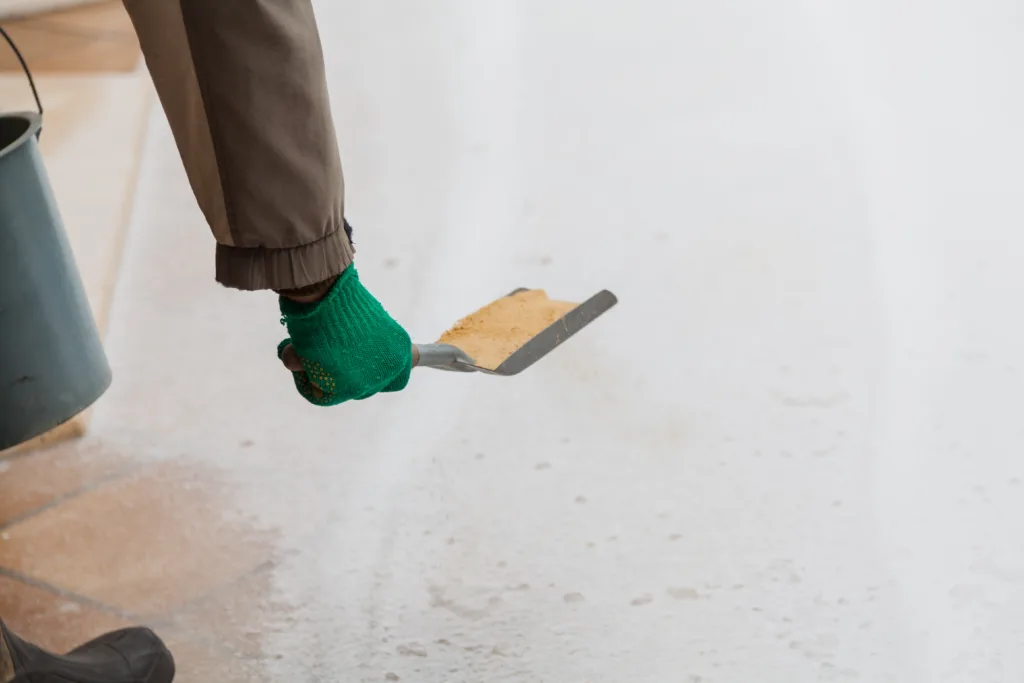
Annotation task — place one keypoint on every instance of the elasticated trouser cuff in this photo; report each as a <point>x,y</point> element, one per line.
<point>244,88</point>
<point>279,269</point>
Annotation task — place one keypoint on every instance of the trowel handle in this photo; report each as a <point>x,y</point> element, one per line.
<point>441,357</point>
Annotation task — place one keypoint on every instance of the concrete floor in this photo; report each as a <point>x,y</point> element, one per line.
<point>791,453</point>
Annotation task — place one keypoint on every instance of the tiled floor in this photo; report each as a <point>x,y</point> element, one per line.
<point>91,541</point>
<point>51,476</point>
<point>52,618</point>
<point>92,38</point>
<point>127,536</point>
<point>791,453</point>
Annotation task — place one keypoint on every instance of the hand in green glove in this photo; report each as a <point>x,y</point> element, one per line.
<point>344,346</point>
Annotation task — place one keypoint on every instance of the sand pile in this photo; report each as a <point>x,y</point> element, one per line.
<point>496,331</point>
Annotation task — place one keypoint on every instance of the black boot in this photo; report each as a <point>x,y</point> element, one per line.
<point>131,655</point>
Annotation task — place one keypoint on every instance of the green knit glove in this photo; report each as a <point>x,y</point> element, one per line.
<point>349,346</point>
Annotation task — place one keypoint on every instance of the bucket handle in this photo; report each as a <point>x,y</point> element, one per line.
<point>28,74</point>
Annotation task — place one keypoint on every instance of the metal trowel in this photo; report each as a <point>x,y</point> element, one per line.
<point>453,359</point>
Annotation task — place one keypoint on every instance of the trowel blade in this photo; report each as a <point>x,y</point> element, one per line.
<point>553,335</point>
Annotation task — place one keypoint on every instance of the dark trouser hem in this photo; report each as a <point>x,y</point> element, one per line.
<point>261,268</point>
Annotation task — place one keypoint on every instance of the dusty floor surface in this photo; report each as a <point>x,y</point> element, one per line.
<point>790,454</point>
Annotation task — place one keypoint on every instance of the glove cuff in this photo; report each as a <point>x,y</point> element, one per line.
<point>348,313</point>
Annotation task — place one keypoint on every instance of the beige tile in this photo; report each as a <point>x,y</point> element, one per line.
<point>53,622</point>
<point>96,19</point>
<point>105,55</point>
<point>33,481</point>
<point>98,38</point>
<point>145,544</point>
<point>40,48</point>
<point>15,10</point>
<point>47,51</point>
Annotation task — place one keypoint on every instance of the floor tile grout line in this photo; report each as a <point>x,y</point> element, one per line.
<point>71,495</point>
<point>163,622</point>
<point>69,595</point>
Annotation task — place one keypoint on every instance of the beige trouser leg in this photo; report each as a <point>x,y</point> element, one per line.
<point>242,83</point>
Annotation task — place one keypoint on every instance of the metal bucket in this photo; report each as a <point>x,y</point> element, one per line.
<point>52,364</point>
